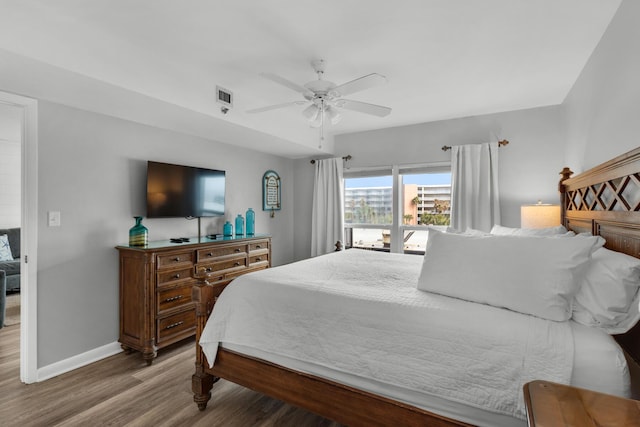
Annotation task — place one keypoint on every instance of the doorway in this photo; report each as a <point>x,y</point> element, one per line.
<point>10,212</point>
<point>19,114</point>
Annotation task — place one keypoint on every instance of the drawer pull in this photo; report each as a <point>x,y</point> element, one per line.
<point>237,249</point>
<point>237,264</point>
<point>208,269</point>
<point>258,259</point>
<point>177,259</point>
<point>174,325</point>
<point>173,298</point>
<point>258,246</point>
<point>210,254</point>
<point>176,276</point>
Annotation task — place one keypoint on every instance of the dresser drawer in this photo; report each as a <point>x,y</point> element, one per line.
<point>174,297</point>
<point>210,253</point>
<point>238,263</point>
<point>173,277</point>
<point>176,259</point>
<point>255,260</point>
<point>213,277</point>
<point>262,244</point>
<point>177,324</point>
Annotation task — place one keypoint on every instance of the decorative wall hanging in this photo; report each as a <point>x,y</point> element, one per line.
<point>271,194</point>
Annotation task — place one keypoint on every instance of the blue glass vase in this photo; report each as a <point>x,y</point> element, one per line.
<point>227,229</point>
<point>251,222</point>
<point>138,234</point>
<point>239,225</point>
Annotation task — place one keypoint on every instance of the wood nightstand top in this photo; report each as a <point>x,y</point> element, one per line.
<point>550,405</point>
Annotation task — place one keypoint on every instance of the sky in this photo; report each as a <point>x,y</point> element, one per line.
<point>386,181</point>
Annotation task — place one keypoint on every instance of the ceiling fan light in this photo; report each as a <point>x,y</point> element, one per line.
<point>316,120</point>
<point>310,112</point>
<point>334,116</point>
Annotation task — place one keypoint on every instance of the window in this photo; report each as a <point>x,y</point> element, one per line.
<point>426,201</point>
<point>368,211</point>
<point>422,197</point>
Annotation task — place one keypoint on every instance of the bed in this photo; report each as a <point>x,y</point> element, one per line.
<point>350,376</point>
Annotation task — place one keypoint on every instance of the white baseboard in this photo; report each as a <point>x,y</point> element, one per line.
<point>78,361</point>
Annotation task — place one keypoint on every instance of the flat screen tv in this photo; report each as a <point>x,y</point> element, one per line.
<point>184,191</point>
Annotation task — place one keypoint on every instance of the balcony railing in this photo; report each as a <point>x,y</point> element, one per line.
<point>376,238</point>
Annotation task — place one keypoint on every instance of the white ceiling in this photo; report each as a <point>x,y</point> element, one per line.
<point>443,58</point>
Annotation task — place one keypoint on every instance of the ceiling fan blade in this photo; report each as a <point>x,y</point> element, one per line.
<point>275,107</point>
<point>357,85</point>
<point>363,107</point>
<point>288,83</point>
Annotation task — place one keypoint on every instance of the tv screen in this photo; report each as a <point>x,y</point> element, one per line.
<point>184,191</point>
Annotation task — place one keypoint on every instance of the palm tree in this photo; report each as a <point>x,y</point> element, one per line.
<point>415,202</point>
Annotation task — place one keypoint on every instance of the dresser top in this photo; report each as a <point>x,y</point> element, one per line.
<point>163,244</point>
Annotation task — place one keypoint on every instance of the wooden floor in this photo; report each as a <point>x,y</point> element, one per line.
<point>123,390</point>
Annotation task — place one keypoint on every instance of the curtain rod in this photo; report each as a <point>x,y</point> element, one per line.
<point>345,158</point>
<point>500,144</point>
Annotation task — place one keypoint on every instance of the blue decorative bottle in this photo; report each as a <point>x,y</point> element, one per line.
<point>138,234</point>
<point>251,222</point>
<point>227,229</point>
<point>239,225</point>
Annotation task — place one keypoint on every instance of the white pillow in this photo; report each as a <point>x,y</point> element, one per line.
<point>5,249</point>
<point>532,275</point>
<point>549,231</point>
<point>468,232</point>
<point>609,298</point>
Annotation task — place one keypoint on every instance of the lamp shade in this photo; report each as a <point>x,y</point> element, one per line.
<point>539,215</point>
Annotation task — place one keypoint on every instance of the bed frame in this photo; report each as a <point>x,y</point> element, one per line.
<point>604,201</point>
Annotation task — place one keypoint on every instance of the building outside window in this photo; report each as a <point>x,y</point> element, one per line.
<point>423,199</point>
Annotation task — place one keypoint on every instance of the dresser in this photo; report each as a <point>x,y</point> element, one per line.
<point>156,282</point>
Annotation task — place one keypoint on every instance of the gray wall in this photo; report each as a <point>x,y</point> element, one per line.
<point>92,168</point>
<point>602,111</point>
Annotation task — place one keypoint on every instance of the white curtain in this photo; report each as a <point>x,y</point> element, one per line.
<point>327,220</point>
<point>474,187</point>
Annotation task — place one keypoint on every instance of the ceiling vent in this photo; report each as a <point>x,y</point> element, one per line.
<point>224,97</point>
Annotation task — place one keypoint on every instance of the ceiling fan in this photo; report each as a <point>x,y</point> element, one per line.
<point>324,98</point>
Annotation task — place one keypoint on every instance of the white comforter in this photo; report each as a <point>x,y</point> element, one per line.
<point>360,312</point>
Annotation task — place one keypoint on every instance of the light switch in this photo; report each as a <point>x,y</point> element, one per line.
<point>54,218</point>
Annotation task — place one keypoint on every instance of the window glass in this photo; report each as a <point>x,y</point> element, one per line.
<point>368,200</point>
<point>426,199</point>
<point>377,239</point>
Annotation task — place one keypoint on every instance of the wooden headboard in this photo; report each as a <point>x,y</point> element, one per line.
<point>605,201</point>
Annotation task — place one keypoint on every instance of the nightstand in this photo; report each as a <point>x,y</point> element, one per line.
<point>550,405</point>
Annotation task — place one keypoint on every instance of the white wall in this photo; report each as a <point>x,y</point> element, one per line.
<point>529,165</point>
<point>602,110</point>
<point>10,165</point>
<point>92,168</point>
